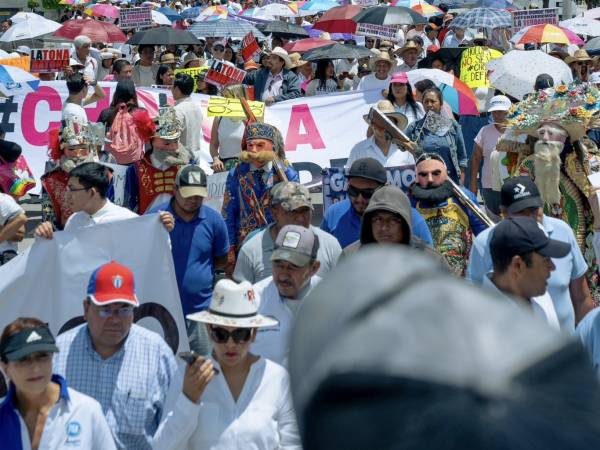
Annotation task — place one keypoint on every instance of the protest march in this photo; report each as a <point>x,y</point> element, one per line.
<point>321,224</point>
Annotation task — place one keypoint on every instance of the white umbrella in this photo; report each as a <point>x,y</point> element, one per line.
<point>29,28</point>
<point>159,18</point>
<point>21,16</point>
<point>515,72</point>
<point>582,25</point>
<point>592,13</point>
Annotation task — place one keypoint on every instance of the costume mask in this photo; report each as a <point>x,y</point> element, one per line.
<point>546,165</point>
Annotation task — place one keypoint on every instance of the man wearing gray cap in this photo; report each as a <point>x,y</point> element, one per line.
<point>290,205</point>
<point>295,265</point>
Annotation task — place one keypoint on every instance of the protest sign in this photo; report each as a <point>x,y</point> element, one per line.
<point>216,190</point>
<point>223,73</point>
<point>22,62</point>
<point>194,72</point>
<point>49,60</point>
<point>525,17</point>
<point>472,66</point>
<point>335,182</point>
<point>232,107</point>
<point>135,17</point>
<point>365,3</point>
<point>387,32</point>
<point>249,47</point>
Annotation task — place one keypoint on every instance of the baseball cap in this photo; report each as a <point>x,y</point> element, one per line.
<point>522,235</point>
<point>499,103</point>
<point>291,196</point>
<point>112,283</point>
<point>519,193</point>
<point>191,180</point>
<point>369,169</point>
<point>296,245</point>
<point>24,50</point>
<point>543,81</point>
<point>28,341</point>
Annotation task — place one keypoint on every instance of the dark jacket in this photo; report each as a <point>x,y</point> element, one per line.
<point>290,87</point>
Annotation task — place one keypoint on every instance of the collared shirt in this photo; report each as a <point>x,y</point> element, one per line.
<point>108,213</point>
<point>90,65</point>
<point>131,385</point>
<point>195,245</point>
<point>273,86</point>
<point>262,418</point>
<point>568,268</point>
<point>9,210</point>
<point>254,259</point>
<point>369,149</point>
<point>405,67</point>
<point>274,342</point>
<point>74,422</point>
<point>189,114</point>
<point>541,306</point>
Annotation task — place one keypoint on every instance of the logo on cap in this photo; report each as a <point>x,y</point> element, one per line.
<point>194,178</point>
<point>117,281</point>
<point>291,239</point>
<point>34,336</point>
<point>520,191</point>
<point>250,295</point>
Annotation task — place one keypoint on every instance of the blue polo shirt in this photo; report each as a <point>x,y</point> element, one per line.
<point>195,245</point>
<point>342,222</point>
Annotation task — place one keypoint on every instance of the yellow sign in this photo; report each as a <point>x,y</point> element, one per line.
<point>194,72</point>
<point>472,66</point>
<point>22,62</point>
<point>232,107</point>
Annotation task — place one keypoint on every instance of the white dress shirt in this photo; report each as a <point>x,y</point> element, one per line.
<point>262,418</point>
<point>189,114</point>
<point>108,213</point>
<point>369,149</point>
<point>273,86</point>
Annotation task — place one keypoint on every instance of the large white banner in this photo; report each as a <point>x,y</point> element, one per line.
<point>49,280</point>
<point>317,130</point>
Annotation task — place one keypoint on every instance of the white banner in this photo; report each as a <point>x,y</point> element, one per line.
<point>49,280</point>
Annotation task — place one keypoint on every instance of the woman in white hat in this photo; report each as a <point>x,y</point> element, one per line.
<point>243,404</point>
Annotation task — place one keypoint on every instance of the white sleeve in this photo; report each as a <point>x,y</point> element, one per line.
<point>102,438</point>
<point>289,437</point>
<point>9,209</point>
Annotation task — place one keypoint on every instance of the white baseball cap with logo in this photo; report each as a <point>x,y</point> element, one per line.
<point>499,103</point>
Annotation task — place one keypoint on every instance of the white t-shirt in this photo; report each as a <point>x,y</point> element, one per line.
<point>487,138</point>
<point>372,82</point>
<point>369,149</point>
<point>108,213</point>
<point>74,110</point>
<point>9,209</point>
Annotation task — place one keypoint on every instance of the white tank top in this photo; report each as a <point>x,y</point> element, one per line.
<point>230,133</point>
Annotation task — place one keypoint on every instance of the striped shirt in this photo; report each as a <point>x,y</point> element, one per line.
<point>131,385</point>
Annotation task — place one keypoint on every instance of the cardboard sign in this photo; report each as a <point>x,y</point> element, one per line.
<point>222,73</point>
<point>216,185</point>
<point>249,47</point>
<point>232,107</point>
<point>472,66</point>
<point>22,62</point>
<point>525,17</point>
<point>49,60</point>
<point>135,17</point>
<point>194,72</point>
<point>387,32</point>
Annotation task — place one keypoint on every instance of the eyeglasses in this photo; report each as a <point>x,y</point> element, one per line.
<point>71,189</point>
<point>355,192</point>
<point>125,311</point>
<point>239,335</point>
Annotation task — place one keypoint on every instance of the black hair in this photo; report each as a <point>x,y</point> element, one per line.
<point>410,98</point>
<point>120,64</point>
<point>9,151</point>
<point>232,60</point>
<point>501,261</point>
<point>437,92</point>
<point>76,83</point>
<point>162,69</point>
<point>124,93</point>
<point>321,72</point>
<point>543,81</point>
<point>185,83</point>
<point>429,28</point>
<point>444,7</point>
<point>92,175</point>
<point>143,46</point>
<point>423,85</point>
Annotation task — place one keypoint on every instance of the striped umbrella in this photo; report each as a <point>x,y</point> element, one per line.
<point>423,8</point>
<point>15,81</point>
<point>545,33</point>
<point>483,18</point>
<point>225,28</point>
<point>74,2</point>
<point>295,6</point>
<point>456,93</point>
<point>170,13</point>
<point>212,11</point>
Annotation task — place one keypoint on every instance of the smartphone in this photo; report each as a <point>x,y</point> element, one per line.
<point>191,356</point>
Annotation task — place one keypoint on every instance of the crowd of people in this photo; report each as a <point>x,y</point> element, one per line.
<point>501,200</point>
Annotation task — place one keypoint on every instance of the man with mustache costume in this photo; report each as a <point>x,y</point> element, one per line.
<point>246,203</point>
<point>452,225</point>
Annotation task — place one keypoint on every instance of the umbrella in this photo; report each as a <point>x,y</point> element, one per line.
<point>170,13</point>
<point>389,15</point>
<point>423,8</point>
<point>104,10</point>
<point>456,93</point>
<point>483,18</point>
<point>276,10</point>
<point>593,13</point>
<point>284,29</point>
<point>295,6</point>
<point>29,28</point>
<point>337,51</point>
<point>304,45</point>
<point>339,19</point>
<point>225,28</point>
<point>15,81</point>
<point>191,13</point>
<point>510,75</point>
<point>318,5</point>
<point>545,33</point>
<point>21,16</point>
<point>163,36</point>
<point>593,46</point>
<point>212,11</point>
<point>74,2</point>
<point>582,25</point>
<point>160,18</point>
<point>258,13</point>
<point>97,31</point>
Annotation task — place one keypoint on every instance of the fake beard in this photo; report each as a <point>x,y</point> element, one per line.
<point>68,164</point>
<point>260,157</point>
<point>546,165</point>
<point>432,194</point>
<point>179,158</point>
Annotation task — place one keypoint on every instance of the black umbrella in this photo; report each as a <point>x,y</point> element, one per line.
<point>593,46</point>
<point>449,55</point>
<point>337,51</point>
<point>163,36</point>
<point>389,15</point>
<point>284,29</point>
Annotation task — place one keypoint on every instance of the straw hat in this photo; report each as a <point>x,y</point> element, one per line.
<point>278,51</point>
<point>296,60</point>
<point>383,56</point>
<point>233,305</point>
<point>168,58</point>
<point>386,107</point>
<point>410,45</point>
<point>189,57</point>
<point>579,56</point>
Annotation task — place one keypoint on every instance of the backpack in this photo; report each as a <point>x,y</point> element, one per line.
<point>125,142</point>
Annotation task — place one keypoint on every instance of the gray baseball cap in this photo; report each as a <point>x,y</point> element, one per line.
<point>191,180</point>
<point>296,245</point>
<point>291,196</point>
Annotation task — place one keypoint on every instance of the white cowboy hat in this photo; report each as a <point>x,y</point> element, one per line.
<point>383,56</point>
<point>386,107</point>
<point>233,305</point>
<point>278,51</point>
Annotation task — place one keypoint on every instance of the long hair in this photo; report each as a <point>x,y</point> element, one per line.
<point>410,98</point>
<point>162,69</point>
<point>321,72</point>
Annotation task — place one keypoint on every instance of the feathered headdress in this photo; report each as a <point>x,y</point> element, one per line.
<point>145,125</point>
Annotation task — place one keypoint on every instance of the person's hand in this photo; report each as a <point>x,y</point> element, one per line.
<point>167,219</point>
<point>217,165</point>
<point>45,230</point>
<point>269,101</point>
<point>68,71</point>
<point>410,146</point>
<point>197,376</point>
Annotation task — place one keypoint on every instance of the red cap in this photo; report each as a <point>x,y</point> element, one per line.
<point>112,283</point>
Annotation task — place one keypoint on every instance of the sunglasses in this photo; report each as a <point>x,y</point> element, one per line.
<point>355,192</point>
<point>218,48</point>
<point>239,335</point>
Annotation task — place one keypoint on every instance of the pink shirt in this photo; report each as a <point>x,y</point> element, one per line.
<point>487,138</point>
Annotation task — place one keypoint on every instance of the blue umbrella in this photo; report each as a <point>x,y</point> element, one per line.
<point>170,13</point>
<point>191,13</point>
<point>483,18</point>
<point>15,81</point>
<point>319,5</point>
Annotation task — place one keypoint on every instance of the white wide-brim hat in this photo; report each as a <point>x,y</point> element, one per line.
<point>278,51</point>
<point>233,305</point>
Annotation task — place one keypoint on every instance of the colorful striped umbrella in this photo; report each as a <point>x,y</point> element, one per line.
<point>545,33</point>
<point>319,5</point>
<point>74,2</point>
<point>15,81</point>
<point>456,93</point>
<point>103,10</point>
<point>213,11</point>
<point>304,45</point>
<point>295,6</point>
<point>427,10</point>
